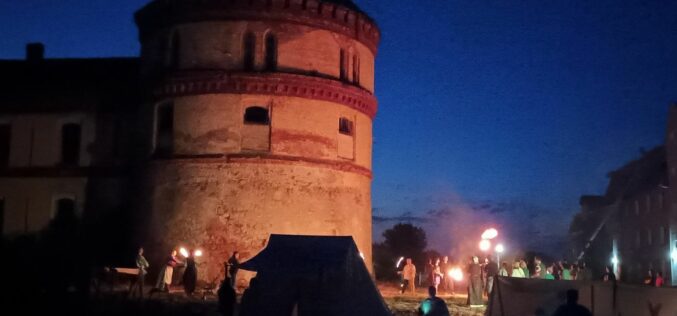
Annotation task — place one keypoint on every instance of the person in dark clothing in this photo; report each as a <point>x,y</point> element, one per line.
<point>475,283</point>
<point>233,265</point>
<point>491,271</point>
<point>190,274</point>
<point>227,298</point>
<point>250,299</point>
<point>572,308</point>
<point>609,275</point>
<point>433,305</point>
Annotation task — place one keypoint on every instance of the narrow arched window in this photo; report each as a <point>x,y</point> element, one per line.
<point>174,51</point>
<point>345,126</point>
<point>249,44</point>
<point>356,69</point>
<point>70,144</point>
<point>271,52</point>
<point>164,130</point>
<point>342,65</point>
<point>256,115</point>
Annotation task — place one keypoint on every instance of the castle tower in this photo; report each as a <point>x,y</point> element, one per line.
<point>259,120</point>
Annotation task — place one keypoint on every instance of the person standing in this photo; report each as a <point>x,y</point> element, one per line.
<point>491,270</point>
<point>608,275</point>
<point>437,274</point>
<point>165,277</point>
<point>475,283</point>
<point>190,274</point>
<point>539,266</point>
<point>659,279</point>
<point>233,266</point>
<point>409,276</point>
<point>447,281</point>
<point>433,305</point>
<point>566,273</point>
<point>548,273</point>
<point>517,271</point>
<point>525,270</point>
<point>227,298</point>
<point>142,265</point>
<point>503,271</point>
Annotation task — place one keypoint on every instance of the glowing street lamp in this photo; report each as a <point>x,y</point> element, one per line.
<point>485,245</point>
<point>490,233</point>
<point>499,250</point>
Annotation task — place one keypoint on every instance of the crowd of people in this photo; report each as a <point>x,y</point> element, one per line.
<point>190,273</point>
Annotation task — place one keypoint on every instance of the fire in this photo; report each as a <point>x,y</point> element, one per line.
<point>184,252</point>
<point>456,274</point>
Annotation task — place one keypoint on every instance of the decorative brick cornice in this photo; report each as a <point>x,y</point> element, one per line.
<point>282,84</point>
<point>265,158</point>
<point>315,13</point>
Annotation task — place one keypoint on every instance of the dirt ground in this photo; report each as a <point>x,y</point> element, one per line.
<point>177,303</point>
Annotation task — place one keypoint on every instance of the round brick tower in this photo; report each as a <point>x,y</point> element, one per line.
<point>258,120</point>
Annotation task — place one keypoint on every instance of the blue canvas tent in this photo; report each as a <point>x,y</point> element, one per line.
<point>314,275</point>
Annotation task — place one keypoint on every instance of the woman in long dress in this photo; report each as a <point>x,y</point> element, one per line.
<point>190,274</point>
<point>475,283</point>
<point>166,274</point>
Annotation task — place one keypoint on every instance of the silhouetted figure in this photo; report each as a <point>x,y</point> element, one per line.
<point>491,271</point>
<point>608,275</point>
<point>227,298</point>
<point>190,274</point>
<point>142,265</point>
<point>433,305</point>
<point>250,299</point>
<point>475,283</point>
<point>233,265</point>
<point>572,308</point>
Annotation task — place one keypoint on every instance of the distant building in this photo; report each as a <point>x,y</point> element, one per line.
<point>240,119</point>
<point>633,224</point>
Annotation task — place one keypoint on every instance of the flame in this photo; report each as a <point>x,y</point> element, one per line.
<point>490,233</point>
<point>183,252</point>
<point>456,274</point>
<point>198,253</point>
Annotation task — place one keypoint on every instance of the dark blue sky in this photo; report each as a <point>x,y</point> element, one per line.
<point>526,103</point>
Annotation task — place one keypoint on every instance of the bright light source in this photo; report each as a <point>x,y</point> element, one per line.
<point>499,248</point>
<point>362,255</point>
<point>183,252</point>
<point>490,233</point>
<point>674,254</point>
<point>485,245</point>
<point>456,274</point>
<point>614,260</point>
<point>399,261</point>
<point>198,253</point>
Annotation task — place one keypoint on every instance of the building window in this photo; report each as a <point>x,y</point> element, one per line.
<point>256,115</point>
<point>249,43</point>
<point>345,126</point>
<point>636,207</point>
<point>356,69</point>
<point>343,72</point>
<point>5,143</point>
<point>271,52</point>
<point>638,239</point>
<point>70,144</point>
<point>174,51</point>
<point>164,130</point>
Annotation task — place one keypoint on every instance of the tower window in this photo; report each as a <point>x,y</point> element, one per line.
<point>342,65</point>
<point>249,44</point>
<point>271,52</point>
<point>356,69</point>
<point>70,144</point>
<point>164,130</point>
<point>175,49</point>
<point>345,126</point>
<point>5,142</point>
<point>256,115</point>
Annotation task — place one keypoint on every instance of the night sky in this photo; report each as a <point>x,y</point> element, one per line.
<point>500,112</point>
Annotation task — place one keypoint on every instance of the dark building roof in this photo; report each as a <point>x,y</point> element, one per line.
<point>638,176</point>
<point>62,84</point>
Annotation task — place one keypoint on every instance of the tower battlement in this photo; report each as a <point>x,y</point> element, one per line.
<point>334,16</point>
